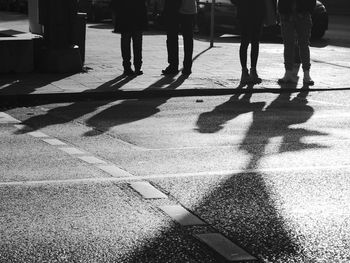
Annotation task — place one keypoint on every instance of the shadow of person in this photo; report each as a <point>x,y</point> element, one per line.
<point>27,83</point>
<point>215,120</point>
<point>246,199</point>
<point>276,121</point>
<point>132,110</point>
<point>242,206</point>
<point>72,111</point>
<point>115,83</point>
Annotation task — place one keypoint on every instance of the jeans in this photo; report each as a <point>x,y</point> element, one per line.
<point>136,38</point>
<point>296,30</point>
<point>183,23</point>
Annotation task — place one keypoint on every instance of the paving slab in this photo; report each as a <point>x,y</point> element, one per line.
<point>147,191</point>
<point>225,247</point>
<point>181,215</point>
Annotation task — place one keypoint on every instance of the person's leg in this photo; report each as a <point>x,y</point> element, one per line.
<point>186,22</point>
<point>288,35</point>
<point>137,49</point>
<point>297,60</point>
<point>125,43</point>
<point>254,53</point>
<point>172,42</point>
<point>303,27</point>
<point>243,51</point>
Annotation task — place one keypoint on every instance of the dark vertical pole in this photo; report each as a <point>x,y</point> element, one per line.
<point>212,23</point>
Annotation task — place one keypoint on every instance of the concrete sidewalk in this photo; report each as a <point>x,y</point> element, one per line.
<point>216,71</point>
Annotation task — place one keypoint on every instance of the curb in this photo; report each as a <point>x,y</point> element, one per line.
<point>35,99</point>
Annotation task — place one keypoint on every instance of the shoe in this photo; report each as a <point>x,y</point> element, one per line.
<point>245,78</point>
<point>254,77</point>
<point>186,72</point>
<point>138,72</point>
<point>170,71</point>
<point>128,72</point>
<point>289,77</point>
<point>307,79</point>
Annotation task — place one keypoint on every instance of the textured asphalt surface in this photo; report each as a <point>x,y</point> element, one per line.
<point>268,170</point>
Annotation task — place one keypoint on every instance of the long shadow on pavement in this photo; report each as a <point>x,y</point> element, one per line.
<point>243,206</point>
<point>133,110</point>
<point>67,113</point>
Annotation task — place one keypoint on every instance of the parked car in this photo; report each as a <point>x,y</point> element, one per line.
<point>226,19</point>
<point>14,5</point>
<point>98,10</point>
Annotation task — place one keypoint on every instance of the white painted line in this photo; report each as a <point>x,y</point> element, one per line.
<point>114,170</point>
<point>38,134</point>
<point>147,190</point>
<point>54,142</point>
<point>91,159</point>
<point>338,132</point>
<point>326,103</point>
<point>245,171</point>
<point>181,215</point>
<point>71,150</point>
<point>163,176</point>
<point>225,247</point>
<point>22,127</point>
<point>5,118</point>
<point>66,181</point>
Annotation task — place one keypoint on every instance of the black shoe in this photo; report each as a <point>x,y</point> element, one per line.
<point>138,72</point>
<point>128,72</point>
<point>170,71</point>
<point>186,72</point>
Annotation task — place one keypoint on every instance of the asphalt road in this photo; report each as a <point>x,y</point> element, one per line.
<point>270,172</point>
<point>267,171</point>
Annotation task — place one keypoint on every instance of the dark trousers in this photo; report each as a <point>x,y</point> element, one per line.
<point>174,25</point>
<point>136,38</point>
<point>296,29</point>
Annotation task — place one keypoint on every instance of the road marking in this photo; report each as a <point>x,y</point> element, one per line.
<point>226,173</point>
<point>342,133</point>
<point>38,134</point>
<point>54,142</point>
<point>246,171</point>
<point>181,215</point>
<point>22,127</point>
<point>71,150</point>
<point>326,103</point>
<point>5,118</point>
<point>114,170</point>
<point>91,159</point>
<point>147,190</point>
<point>225,247</point>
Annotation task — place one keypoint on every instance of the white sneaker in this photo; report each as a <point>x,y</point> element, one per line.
<point>307,79</point>
<point>289,77</point>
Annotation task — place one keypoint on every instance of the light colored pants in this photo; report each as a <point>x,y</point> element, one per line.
<point>296,29</point>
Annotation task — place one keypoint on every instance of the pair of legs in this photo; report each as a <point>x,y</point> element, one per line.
<point>136,38</point>
<point>296,33</point>
<point>250,34</point>
<point>183,23</point>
